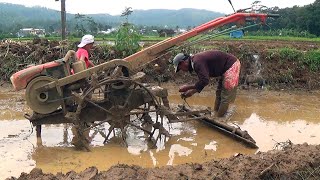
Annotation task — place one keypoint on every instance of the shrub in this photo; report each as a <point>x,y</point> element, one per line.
<point>127,40</point>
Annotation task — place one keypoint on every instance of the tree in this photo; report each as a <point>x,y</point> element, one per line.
<point>312,20</point>
<point>127,38</point>
<point>51,29</point>
<point>93,26</point>
<point>126,13</point>
<point>79,27</point>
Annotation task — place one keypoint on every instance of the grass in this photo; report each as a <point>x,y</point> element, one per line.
<point>282,38</point>
<point>310,58</point>
<point>313,59</point>
<point>225,37</point>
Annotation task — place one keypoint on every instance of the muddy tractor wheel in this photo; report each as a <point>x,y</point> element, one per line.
<point>126,104</point>
<point>44,102</point>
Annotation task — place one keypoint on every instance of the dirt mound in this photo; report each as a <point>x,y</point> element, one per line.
<point>288,162</point>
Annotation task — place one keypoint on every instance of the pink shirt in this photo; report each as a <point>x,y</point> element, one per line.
<point>83,52</point>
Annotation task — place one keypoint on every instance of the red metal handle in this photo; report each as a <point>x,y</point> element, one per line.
<point>147,55</point>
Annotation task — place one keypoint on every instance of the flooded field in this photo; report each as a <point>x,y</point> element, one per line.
<point>269,117</point>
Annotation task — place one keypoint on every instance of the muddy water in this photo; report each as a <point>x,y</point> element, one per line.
<point>269,117</point>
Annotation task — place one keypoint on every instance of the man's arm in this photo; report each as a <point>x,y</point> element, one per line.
<point>186,87</point>
<point>203,76</point>
<point>188,93</point>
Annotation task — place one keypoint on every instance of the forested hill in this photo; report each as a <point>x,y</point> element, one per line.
<point>14,17</point>
<point>183,17</point>
<point>17,16</point>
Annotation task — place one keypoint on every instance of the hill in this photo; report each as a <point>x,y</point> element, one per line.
<point>19,16</point>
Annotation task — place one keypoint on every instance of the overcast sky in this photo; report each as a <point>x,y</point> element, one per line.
<point>115,7</point>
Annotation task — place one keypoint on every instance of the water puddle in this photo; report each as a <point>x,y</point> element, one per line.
<point>269,117</point>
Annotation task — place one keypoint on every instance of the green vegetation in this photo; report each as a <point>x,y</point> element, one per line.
<point>310,58</point>
<point>127,38</point>
<point>97,38</point>
<point>297,21</point>
<point>290,54</point>
<point>17,17</point>
<point>282,32</point>
<point>156,38</point>
<point>306,18</point>
<point>84,25</point>
<point>281,38</point>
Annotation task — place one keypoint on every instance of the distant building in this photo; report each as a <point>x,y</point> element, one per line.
<point>108,31</point>
<point>25,32</point>
<point>180,31</point>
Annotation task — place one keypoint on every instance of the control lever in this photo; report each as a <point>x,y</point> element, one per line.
<point>232,5</point>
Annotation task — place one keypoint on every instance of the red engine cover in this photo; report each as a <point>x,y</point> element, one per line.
<point>21,78</point>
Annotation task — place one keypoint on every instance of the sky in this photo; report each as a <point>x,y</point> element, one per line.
<point>115,7</point>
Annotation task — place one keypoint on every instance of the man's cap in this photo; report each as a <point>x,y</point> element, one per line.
<point>177,59</point>
<point>86,39</point>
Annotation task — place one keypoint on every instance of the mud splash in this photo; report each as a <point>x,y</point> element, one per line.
<point>269,117</point>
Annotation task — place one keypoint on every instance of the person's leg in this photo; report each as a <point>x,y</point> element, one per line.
<point>224,102</point>
<point>233,95</point>
<point>218,96</point>
<point>229,88</point>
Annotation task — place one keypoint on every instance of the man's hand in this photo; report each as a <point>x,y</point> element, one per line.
<point>189,93</point>
<point>185,88</point>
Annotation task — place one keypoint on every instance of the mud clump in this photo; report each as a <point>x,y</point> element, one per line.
<point>290,162</point>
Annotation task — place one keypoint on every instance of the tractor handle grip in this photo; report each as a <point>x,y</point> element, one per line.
<point>274,15</point>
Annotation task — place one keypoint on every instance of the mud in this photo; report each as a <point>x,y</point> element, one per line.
<point>276,119</point>
<point>271,118</point>
<point>291,162</point>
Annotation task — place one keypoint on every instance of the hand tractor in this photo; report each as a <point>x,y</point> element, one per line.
<point>111,95</point>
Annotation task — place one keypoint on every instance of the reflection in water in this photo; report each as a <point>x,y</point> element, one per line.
<point>269,117</point>
<point>268,133</point>
<point>211,146</point>
<point>15,148</point>
<point>179,150</point>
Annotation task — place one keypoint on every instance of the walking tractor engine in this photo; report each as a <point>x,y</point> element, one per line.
<point>110,95</point>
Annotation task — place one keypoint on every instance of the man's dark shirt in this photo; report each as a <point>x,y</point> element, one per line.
<point>211,64</point>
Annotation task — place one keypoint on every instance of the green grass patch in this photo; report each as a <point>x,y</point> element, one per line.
<point>280,38</point>
<point>312,58</point>
<point>290,54</point>
<point>283,38</point>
